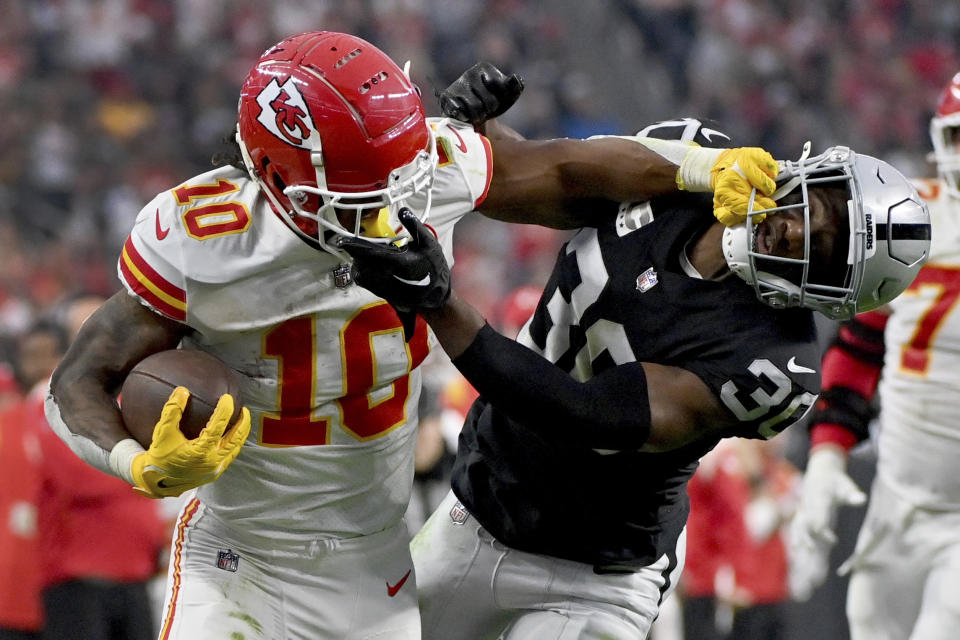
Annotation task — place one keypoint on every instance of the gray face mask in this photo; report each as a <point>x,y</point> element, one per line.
<point>888,232</point>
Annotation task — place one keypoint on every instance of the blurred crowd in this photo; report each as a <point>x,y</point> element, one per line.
<point>107,102</point>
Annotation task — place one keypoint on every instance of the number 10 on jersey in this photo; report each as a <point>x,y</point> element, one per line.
<point>293,345</point>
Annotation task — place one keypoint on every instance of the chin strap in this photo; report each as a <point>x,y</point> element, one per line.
<point>316,159</point>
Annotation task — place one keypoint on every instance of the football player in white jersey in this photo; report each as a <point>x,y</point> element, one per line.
<point>906,565</point>
<point>301,535</point>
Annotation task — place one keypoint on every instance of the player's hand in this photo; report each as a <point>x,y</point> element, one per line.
<point>173,464</point>
<point>825,487</point>
<point>481,93</point>
<point>413,277</point>
<point>734,176</point>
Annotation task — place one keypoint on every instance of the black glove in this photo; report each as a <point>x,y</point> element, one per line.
<point>481,93</point>
<point>411,278</point>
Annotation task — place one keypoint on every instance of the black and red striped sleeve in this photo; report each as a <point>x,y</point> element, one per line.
<point>851,372</point>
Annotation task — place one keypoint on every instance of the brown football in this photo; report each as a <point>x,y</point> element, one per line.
<point>150,383</point>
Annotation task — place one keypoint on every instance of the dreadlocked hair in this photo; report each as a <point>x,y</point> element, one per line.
<point>230,155</point>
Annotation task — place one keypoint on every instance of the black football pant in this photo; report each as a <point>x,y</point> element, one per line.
<point>98,610</point>
<point>17,634</point>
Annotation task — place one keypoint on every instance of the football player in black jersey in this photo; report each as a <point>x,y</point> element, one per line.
<point>662,330</point>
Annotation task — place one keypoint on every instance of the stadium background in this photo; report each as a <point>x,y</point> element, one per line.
<point>107,102</point>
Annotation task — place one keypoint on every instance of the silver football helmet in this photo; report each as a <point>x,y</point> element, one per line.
<point>887,243</point>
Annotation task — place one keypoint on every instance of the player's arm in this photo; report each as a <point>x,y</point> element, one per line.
<point>554,182</point>
<point>851,371</point>
<point>643,406</point>
<point>632,406</point>
<point>565,183</point>
<point>121,333</point>
<point>81,408</point>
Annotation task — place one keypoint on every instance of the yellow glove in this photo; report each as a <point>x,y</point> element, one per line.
<point>173,464</point>
<point>734,175</point>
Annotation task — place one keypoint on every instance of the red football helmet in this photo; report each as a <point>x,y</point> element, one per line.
<point>328,123</point>
<point>945,133</point>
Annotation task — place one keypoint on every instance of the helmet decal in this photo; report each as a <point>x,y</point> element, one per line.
<point>284,113</point>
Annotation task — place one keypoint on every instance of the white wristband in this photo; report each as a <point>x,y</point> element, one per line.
<point>694,172</point>
<point>121,458</point>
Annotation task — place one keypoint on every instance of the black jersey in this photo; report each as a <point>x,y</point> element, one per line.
<point>618,294</point>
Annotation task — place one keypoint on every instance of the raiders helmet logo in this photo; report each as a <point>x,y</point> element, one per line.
<point>284,113</point>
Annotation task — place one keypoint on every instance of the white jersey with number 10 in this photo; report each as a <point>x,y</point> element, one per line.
<point>330,382</point>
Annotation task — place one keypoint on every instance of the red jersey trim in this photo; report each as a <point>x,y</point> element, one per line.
<point>177,567</point>
<point>163,295</point>
<point>829,433</point>
<point>489,153</point>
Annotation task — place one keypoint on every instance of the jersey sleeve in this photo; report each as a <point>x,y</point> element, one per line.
<point>462,149</point>
<point>851,372</point>
<point>464,171</point>
<point>150,266</point>
<point>768,381</point>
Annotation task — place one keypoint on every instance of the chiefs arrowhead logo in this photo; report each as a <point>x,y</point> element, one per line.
<point>284,113</point>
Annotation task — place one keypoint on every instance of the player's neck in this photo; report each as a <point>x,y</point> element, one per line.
<point>706,254</point>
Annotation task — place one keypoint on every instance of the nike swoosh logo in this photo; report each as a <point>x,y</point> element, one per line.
<point>422,282</point>
<point>161,232</point>
<point>460,144</point>
<point>393,589</point>
<point>796,368</point>
<point>709,133</point>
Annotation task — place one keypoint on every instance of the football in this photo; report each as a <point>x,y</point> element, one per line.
<point>149,385</point>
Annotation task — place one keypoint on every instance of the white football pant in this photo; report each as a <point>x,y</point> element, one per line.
<point>906,572</point>
<point>220,586</point>
<point>475,588</point>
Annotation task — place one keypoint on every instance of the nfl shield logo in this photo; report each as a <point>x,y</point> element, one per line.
<point>341,276</point>
<point>228,560</point>
<point>459,514</point>
<point>647,280</point>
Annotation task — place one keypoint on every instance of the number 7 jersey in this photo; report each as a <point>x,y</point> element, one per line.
<point>331,384</point>
<point>919,437</point>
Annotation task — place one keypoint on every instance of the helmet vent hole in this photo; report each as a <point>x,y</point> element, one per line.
<point>880,177</point>
<point>375,80</point>
<point>278,182</point>
<point>347,58</point>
